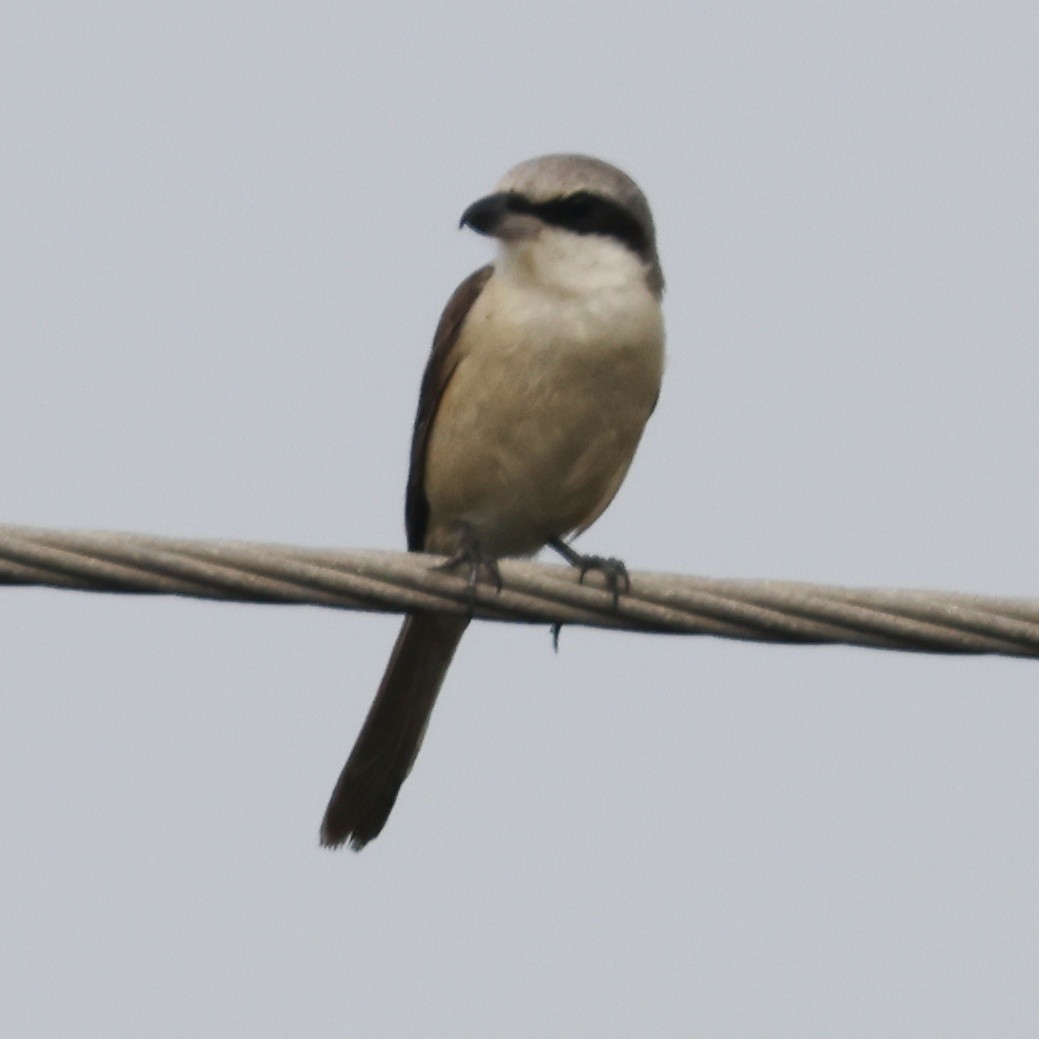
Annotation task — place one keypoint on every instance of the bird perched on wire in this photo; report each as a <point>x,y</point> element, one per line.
<point>545,367</point>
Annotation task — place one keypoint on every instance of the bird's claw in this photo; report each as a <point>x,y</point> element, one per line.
<point>472,556</point>
<point>556,629</point>
<point>613,571</point>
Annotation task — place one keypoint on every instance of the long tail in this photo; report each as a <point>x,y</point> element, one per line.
<point>392,733</point>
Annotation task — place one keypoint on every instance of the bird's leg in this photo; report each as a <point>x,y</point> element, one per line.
<point>614,572</point>
<point>470,554</point>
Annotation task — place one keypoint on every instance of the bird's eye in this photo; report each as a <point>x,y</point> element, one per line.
<point>580,205</point>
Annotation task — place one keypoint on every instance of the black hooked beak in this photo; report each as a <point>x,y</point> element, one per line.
<point>485,215</point>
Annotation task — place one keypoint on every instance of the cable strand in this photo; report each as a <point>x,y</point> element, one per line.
<point>762,611</point>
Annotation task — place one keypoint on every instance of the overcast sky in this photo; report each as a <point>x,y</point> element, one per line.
<point>226,233</point>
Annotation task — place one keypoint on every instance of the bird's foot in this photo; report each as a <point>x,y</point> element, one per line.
<point>613,571</point>
<point>472,556</point>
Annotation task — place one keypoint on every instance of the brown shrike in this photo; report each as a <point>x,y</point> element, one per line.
<point>544,369</point>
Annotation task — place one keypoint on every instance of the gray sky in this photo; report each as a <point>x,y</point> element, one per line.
<point>227,232</point>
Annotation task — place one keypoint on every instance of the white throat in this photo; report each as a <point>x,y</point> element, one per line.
<point>559,261</point>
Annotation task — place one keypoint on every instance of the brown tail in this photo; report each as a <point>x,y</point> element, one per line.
<point>392,733</point>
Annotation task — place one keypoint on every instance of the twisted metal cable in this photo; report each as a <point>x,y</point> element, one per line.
<point>763,611</point>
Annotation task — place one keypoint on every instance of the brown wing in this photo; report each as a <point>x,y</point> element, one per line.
<point>439,369</point>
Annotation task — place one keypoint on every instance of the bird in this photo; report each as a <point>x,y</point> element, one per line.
<point>545,366</point>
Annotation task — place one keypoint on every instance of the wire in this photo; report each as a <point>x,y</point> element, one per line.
<point>396,582</point>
